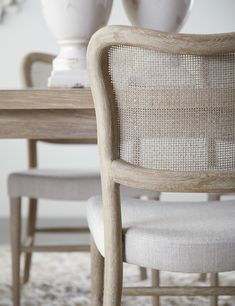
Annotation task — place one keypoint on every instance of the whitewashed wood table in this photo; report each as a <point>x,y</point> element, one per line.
<point>47,114</point>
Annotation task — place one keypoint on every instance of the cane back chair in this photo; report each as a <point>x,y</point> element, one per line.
<point>165,108</point>
<point>67,185</point>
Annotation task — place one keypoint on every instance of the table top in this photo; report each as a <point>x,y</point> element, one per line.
<point>46,99</point>
<point>47,114</point>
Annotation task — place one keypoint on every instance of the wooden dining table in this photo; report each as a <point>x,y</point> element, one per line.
<point>47,114</point>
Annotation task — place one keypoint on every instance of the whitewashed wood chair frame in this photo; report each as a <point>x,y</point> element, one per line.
<point>115,170</point>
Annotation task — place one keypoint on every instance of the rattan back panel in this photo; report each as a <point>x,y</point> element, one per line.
<point>174,111</point>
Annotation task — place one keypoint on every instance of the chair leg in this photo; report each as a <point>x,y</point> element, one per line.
<point>210,197</point>
<point>113,281</point>
<point>113,275</point>
<point>202,277</point>
<point>214,277</point>
<point>214,281</point>
<point>15,228</point>
<point>97,276</point>
<point>143,273</point>
<point>156,284</point>
<point>32,218</point>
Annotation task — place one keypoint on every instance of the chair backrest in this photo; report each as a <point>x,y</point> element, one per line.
<point>36,69</point>
<point>165,106</point>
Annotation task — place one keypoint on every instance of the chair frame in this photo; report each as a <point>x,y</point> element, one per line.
<point>28,247</point>
<point>115,171</point>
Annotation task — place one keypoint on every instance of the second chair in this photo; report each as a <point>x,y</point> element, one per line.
<point>34,183</point>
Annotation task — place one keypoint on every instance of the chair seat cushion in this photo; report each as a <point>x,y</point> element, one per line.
<point>71,185</point>
<point>54,184</point>
<point>173,236</point>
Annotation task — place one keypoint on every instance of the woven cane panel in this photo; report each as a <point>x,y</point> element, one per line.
<point>40,73</point>
<point>175,112</point>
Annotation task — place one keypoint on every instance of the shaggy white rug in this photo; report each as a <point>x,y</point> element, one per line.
<point>64,280</point>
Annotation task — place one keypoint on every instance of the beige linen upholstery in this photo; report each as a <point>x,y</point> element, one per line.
<point>72,185</point>
<point>172,236</point>
<point>54,184</point>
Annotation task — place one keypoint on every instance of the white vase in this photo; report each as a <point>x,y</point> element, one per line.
<point>73,22</point>
<point>162,15</point>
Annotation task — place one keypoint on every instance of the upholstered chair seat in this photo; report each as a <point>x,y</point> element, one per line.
<point>172,236</point>
<point>54,184</point>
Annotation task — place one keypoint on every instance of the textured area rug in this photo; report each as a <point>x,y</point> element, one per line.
<point>64,280</point>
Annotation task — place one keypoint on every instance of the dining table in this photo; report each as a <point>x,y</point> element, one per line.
<point>47,114</point>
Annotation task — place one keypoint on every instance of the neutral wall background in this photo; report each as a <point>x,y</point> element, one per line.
<point>25,32</point>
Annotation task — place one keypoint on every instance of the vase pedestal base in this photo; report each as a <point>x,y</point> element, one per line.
<point>68,79</point>
<point>69,67</point>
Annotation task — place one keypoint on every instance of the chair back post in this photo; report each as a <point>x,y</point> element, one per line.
<point>32,153</point>
<point>107,140</point>
<point>27,82</point>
